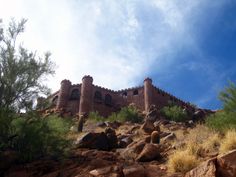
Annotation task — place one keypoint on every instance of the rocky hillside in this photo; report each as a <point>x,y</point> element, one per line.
<point>156,147</point>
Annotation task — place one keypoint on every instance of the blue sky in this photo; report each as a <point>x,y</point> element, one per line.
<point>186,46</point>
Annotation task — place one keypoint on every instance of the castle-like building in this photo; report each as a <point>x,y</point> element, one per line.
<point>86,97</point>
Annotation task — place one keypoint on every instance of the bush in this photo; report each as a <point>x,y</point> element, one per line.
<point>222,121</point>
<point>226,119</point>
<point>129,114</point>
<point>94,116</point>
<point>33,137</point>
<point>174,113</point>
<point>229,141</point>
<point>182,161</point>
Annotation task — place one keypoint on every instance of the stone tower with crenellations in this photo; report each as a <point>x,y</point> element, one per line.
<point>86,97</point>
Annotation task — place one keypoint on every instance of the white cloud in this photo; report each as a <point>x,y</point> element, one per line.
<point>117,42</point>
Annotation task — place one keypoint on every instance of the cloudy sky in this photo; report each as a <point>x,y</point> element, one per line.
<point>188,47</point>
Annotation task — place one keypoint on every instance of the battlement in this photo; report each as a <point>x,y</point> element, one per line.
<point>85,97</point>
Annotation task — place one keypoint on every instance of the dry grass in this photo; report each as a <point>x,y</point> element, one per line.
<point>182,161</point>
<point>212,144</point>
<point>229,141</point>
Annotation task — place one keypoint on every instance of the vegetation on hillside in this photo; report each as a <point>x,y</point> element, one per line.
<point>21,76</point>
<point>126,114</point>
<point>225,119</point>
<point>175,113</point>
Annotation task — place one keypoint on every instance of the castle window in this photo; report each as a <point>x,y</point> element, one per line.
<point>98,95</point>
<point>75,95</point>
<point>135,92</point>
<point>54,100</point>
<point>108,100</point>
<point>124,94</point>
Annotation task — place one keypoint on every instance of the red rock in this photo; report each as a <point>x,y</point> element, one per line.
<point>150,152</point>
<point>205,169</point>
<point>148,127</point>
<point>226,164</point>
<point>134,171</point>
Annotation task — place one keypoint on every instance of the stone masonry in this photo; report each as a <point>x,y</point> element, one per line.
<point>86,97</point>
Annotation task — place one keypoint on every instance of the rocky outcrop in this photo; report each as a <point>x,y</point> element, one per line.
<point>134,171</point>
<point>102,141</point>
<point>222,166</point>
<point>226,164</point>
<point>206,169</point>
<point>150,152</point>
<point>111,171</point>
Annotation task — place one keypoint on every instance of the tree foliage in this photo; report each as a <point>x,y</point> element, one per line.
<point>21,76</point>
<point>228,97</point>
<point>225,119</point>
<point>21,71</point>
<point>174,113</point>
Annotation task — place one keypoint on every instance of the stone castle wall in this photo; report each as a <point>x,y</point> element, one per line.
<point>86,97</point>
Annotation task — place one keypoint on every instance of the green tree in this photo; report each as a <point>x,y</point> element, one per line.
<point>228,97</point>
<point>21,71</point>
<point>225,119</point>
<point>21,77</point>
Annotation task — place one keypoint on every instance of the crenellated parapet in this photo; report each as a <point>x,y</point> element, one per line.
<point>91,97</point>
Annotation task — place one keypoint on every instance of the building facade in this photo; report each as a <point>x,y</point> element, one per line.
<point>86,97</point>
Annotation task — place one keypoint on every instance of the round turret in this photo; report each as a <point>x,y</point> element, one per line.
<point>86,99</point>
<point>63,94</point>
<point>148,93</point>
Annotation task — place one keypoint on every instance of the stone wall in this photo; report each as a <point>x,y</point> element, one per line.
<point>86,97</point>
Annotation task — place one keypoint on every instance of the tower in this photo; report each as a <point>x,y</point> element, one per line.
<point>63,94</point>
<point>148,100</point>
<point>86,99</point>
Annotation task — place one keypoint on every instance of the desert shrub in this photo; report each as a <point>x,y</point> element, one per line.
<point>229,141</point>
<point>94,116</point>
<point>222,121</point>
<point>212,143</point>
<point>6,130</point>
<point>226,119</point>
<point>33,137</point>
<point>182,161</point>
<point>130,114</point>
<point>174,113</point>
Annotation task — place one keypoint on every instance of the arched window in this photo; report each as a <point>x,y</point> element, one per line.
<point>75,95</point>
<point>135,92</point>
<point>54,100</point>
<point>98,95</point>
<point>124,94</point>
<point>108,100</point>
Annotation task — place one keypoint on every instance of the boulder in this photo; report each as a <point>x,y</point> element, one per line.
<point>152,114</point>
<point>112,138</point>
<point>150,152</point>
<point>226,164</point>
<point>205,169</point>
<point>164,134</point>
<point>124,142</point>
<point>134,171</point>
<point>131,152</point>
<point>93,141</point>
<point>148,127</point>
<point>110,171</point>
<point>169,137</point>
<point>113,125</point>
<point>155,137</point>
<point>102,141</point>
